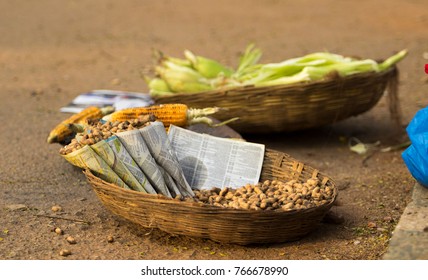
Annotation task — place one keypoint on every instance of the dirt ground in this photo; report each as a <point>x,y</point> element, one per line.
<point>51,51</point>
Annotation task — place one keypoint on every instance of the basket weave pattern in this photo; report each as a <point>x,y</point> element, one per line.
<point>221,224</point>
<point>294,107</point>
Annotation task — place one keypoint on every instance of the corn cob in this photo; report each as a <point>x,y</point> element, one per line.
<point>181,78</point>
<point>62,131</point>
<point>209,68</point>
<point>158,84</point>
<point>175,114</point>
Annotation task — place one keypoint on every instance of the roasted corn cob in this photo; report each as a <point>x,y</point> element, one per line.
<point>62,132</point>
<point>175,114</point>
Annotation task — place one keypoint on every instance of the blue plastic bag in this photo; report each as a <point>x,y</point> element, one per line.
<point>416,155</point>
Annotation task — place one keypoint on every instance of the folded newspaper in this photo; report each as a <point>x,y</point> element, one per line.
<point>208,161</point>
<point>151,161</point>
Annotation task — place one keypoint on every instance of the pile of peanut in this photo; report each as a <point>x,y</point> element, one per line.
<point>269,195</point>
<point>96,131</point>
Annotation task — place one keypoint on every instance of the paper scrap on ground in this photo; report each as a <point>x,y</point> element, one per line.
<point>103,97</point>
<point>209,161</point>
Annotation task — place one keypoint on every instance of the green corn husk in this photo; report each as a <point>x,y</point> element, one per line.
<point>315,73</point>
<point>318,66</point>
<point>197,73</point>
<point>248,62</point>
<point>160,58</point>
<point>209,68</point>
<point>392,60</point>
<point>182,79</point>
<point>179,61</point>
<point>158,85</point>
<point>290,67</point>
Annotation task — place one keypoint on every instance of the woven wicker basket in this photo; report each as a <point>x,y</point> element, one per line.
<point>221,224</point>
<point>296,107</point>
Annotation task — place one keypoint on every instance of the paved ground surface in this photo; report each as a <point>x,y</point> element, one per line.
<point>410,238</point>
<point>51,51</point>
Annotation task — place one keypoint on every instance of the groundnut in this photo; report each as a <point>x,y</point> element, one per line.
<point>107,126</point>
<point>272,200</point>
<point>297,185</point>
<point>282,199</point>
<point>64,252</point>
<point>268,196</point>
<point>241,200</point>
<point>257,190</point>
<point>224,191</point>
<point>288,206</point>
<point>203,198</point>
<point>264,188</point>
<point>312,182</point>
<point>235,204</point>
<point>254,199</point>
<point>255,207</point>
<point>255,203</point>
<point>315,192</point>
<point>305,191</point>
<point>288,188</point>
<point>229,196</point>
<point>297,196</point>
<point>244,205</point>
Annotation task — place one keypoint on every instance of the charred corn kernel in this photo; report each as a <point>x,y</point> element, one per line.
<point>77,127</point>
<point>62,131</point>
<point>175,114</point>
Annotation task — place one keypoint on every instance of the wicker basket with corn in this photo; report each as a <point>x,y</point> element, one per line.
<point>299,93</point>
